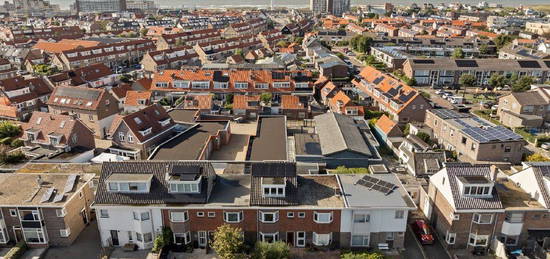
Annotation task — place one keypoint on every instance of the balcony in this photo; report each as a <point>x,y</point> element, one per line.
<point>511,229</point>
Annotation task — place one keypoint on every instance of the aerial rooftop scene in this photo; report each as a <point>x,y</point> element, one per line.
<point>274,129</point>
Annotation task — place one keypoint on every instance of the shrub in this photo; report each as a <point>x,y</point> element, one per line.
<point>6,141</point>
<point>9,129</point>
<point>537,158</point>
<point>424,137</point>
<point>162,240</point>
<point>373,255</point>
<point>344,170</point>
<point>277,250</point>
<point>17,143</point>
<point>17,251</point>
<point>228,242</point>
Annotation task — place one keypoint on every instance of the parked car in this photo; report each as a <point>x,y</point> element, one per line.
<point>423,232</point>
<point>545,146</point>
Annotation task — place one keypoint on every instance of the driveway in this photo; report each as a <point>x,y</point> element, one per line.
<point>412,246</point>
<point>436,250</point>
<point>86,246</point>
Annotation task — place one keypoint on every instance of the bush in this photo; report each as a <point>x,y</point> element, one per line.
<point>424,137</point>
<point>17,251</point>
<point>17,143</point>
<point>277,250</point>
<point>344,170</point>
<point>11,157</point>
<point>162,240</point>
<point>373,114</point>
<point>9,129</point>
<point>537,158</point>
<point>228,241</point>
<point>6,141</point>
<point>373,255</point>
<point>266,97</point>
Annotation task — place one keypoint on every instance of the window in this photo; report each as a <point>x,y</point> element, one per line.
<point>185,187</point>
<point>261,86</point>
<point>474,190</point>
<point>141,216</point>
<point>241,85</point>
<point>145,237</point>
<point>130,237</point>
<point>211,214</point>
<point>121,136</point>
<point>300,239</point>
<point>321,239</point>
<point>483,218</point>
<point>478,240</point>
<point>130,138</point>
<point>269,217</point>
<point>507,149</point>
<point>273,191</point>
<point>29,215</point>
<point>390,236</point>
<point>200,84</point>
<point>301,214</point>
<point>221,85</point>
<point>103,213</point>
<point>233,217</point>
<point>290,214</point>
<point>179,216</point>
<point>455,216</point>
<point>361,218</point>
<point>13,212</point>
<point>511,240</point>
<point>450,238</point>
<point>200,214</point>
<point>281,85</point>
<point>181,84</point>
<point>65,232</point>
<point>182,238</point>
<point>60,212</point>
<point>322,217</point>
<point>399,214</point>
<point>514,217</point>
<point>34,236</point>
<point>360,240</point>
<point>269,237</point>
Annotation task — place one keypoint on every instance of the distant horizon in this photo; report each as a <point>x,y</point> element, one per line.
<point>65,4</point>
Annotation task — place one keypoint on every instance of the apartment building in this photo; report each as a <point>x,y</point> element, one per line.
<point>7,70</point>
<point>137,134</point>
<point>19,97</point>
<point>112,55</point>
<point>188,38</point>
<point>334,7</point>
<point>35,34</point>
<point>272,203</point>
<point>96,108</point>
<point>94,76</point>
<point>387,29</point>
<point>529,109</point>
<point>404,103</point>
<point>44,209</point>
<point>473,139</point>
<point>539,28</point>
<point>172,58</point>
<point>446,72</point>
<point>100,6</point>
<point>222,82</point>
<point>219,50</point>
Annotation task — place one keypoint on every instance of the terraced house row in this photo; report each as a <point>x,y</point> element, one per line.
<point>135,200</point>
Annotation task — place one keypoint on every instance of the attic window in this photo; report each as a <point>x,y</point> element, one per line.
<point>145,132</point>
<point>39,120</point>
<point>89,104</point>
<point>137,120</point>
<point>62,124</point>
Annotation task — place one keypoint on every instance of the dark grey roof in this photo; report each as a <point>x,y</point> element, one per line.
<point>339,133</point>
<point>529,98</point>
<point>541,171</point>
<point>273,169</point>
<point>158,193</point>
<point>307,144</point>
<point>270,140</point>
<point>428,163</point>
<point>454,171</point>
<point>80,92</point>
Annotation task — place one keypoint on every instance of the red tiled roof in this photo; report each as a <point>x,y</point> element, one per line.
<point>132,97</point>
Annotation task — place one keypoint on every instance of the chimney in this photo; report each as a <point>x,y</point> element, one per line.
<point>494,172</point>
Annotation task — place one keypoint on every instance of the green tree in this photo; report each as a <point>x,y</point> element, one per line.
<point>282,44</point>
<point>497,80</point>
<point>165,238</point>
<point>228,241</point>
<point>340,55</point>
<point>458,53</point>
<point>298,40</point>
<point>522,84</point>
<point>537,158</point>
<point>43,69</point>
<point>277,250</point>
<point>467,80</point>
<point>9,129</point>
<point>143,32</point>
<point>360,43</point>
<point>266,97</point>
<point>501,40</point>
<point>424,136</point>
<point>483,49</point>
<point>344,170</point>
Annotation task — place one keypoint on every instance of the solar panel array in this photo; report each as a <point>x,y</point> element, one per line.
<point>58,198</point>
<point>466,63</point>
<point>449,114</point>
<point>547,63</point>
<point>528,64</point>
<point>376,184</point>
<point>71,180</point>
<point>497,133</point>
<point>47,195</point>
<point>423,61</point>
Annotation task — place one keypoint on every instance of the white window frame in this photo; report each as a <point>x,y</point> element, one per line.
<point>61,212</point>
<point>103,213</point>
<point>65,232</point>
<point>186,237</point>
<point>478,218</point>
<point>13,212</point>
<point>175,218</point>
<point>301,241</point>
<point>211,214</point>
<point>399,214</point>
<point>365,237</point>
<point>317,242</point>
<point>290,214</point>
<point>476,237</point>
<point>141,215</point>
<point>226,214</point>
<point>200,214</point>
<point>274,235</point>
<point>274,214</point>
<point>301,214</point>
<point>39,232</point>
<point>316,216</point>
<point>361,218</point>
<point>450,236</point>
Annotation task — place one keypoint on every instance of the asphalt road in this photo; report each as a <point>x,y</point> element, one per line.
<point>412,247</point>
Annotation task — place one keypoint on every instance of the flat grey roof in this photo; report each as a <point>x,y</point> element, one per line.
<point>358,195</point>
<point>130,177</point>
<point>270,141</point>
<point>307,144</point>
<point>231,190</point>
<point>181,115</point>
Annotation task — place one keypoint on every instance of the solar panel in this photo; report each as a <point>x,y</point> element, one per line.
<point>466,63</point>
<point>47,195</point>
<point>376,184</point>
<point>69,185</point>
<point>528,64</point>
<point>59,197</point>
<point>547,63</point>
<point>423,61</point>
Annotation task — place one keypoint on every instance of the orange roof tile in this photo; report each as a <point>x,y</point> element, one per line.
<point>385,124</point>
<point>132,97</point>
<point>291,102</point>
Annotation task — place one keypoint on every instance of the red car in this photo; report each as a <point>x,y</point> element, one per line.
<point>423,232</point>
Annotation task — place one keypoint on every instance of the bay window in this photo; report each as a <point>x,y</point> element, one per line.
<point>269,237</point>
<point>269,217</point>
<point>321,239</point>
<point>34,236</point>
<point>182,238</point>
<point>482,218</point>
<point>478,240</point>
<point>322,217</point>
<point>179,216</point>
<point>233,217</point>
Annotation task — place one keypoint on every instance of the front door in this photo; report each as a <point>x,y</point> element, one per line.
<point>18,234</point>
<point>84,216</point>
<point>202,239</point>
<point>114,237</point>
<point>290,238</point>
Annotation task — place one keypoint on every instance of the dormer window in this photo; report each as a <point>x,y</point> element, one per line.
<point>476,186</point>
<point>129,182</point>
<point>145,132</point>
<point>184,180</point>
<point>31,136</point>
<point>273,186</point>
<point>165,122</point>
<point>54,140</point>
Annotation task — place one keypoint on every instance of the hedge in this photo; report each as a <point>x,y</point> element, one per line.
<point>17,251</point>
